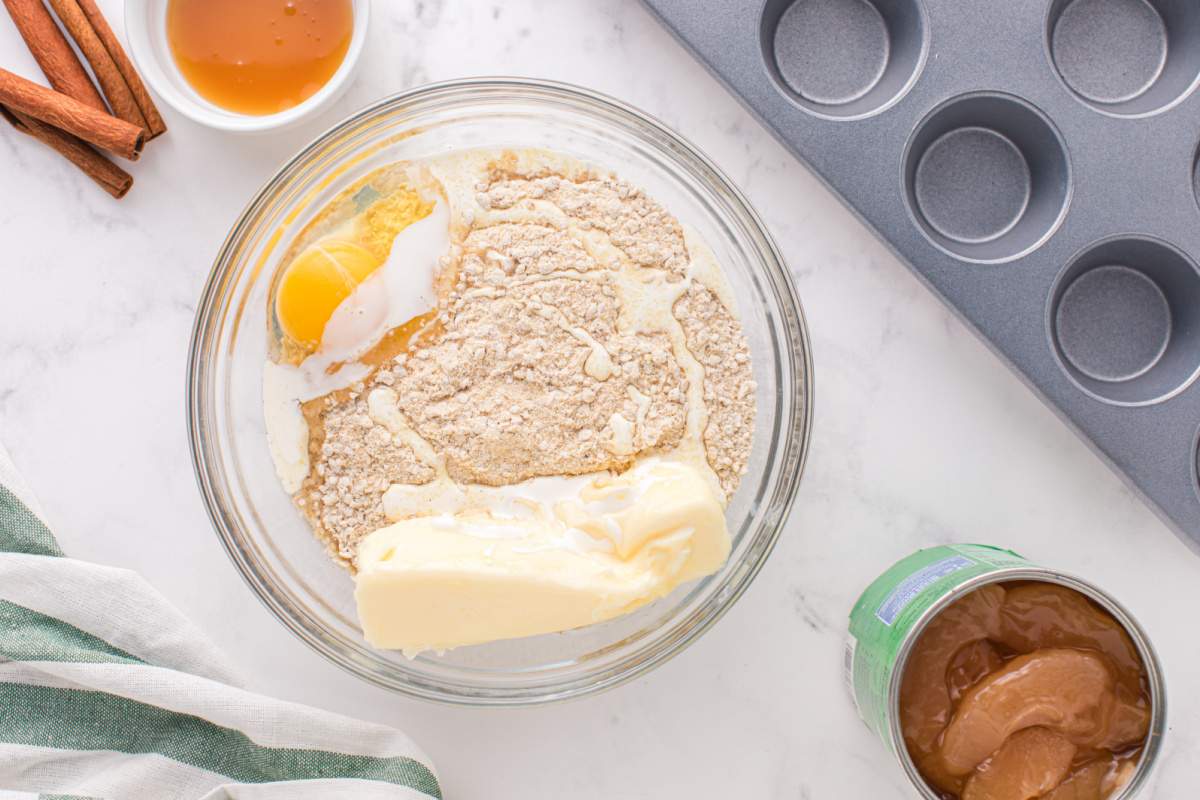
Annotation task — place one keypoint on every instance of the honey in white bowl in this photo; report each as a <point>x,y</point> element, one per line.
<point>259,57</point>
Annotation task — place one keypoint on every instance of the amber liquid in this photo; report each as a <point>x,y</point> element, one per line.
<point>259,56</point>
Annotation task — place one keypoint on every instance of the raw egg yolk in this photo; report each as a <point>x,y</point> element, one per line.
<point>388,216</point>
<point>315,283</point>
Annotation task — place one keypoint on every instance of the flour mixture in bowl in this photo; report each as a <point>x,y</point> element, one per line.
<point>511,394</point>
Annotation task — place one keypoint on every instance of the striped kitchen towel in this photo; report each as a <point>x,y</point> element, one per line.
<point>107,692</point>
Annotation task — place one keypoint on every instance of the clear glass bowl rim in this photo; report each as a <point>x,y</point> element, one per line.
<point>798,428</point>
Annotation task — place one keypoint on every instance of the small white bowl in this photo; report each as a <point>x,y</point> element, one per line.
<point>146,30</point>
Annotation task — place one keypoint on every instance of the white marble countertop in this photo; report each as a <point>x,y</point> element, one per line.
<point>921,436</point>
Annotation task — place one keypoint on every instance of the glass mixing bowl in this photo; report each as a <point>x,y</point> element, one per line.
<point>270,542</point>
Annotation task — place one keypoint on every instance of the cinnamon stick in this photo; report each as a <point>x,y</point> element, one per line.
<point>154,121</point>
<point>53,52</point>
<point>65,112</point>
<point>119,96</point>
<point>108,175</point>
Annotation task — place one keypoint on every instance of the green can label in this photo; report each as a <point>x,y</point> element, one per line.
<point>885,616</point>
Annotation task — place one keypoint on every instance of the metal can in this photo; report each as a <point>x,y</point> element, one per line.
<point>892,613</point>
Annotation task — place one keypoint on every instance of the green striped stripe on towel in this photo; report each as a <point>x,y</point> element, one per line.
<point>107,693</point>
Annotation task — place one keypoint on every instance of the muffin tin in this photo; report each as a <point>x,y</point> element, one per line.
<point>1036,162</point>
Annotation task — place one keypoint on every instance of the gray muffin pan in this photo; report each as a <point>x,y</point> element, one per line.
<point>1036,162</point>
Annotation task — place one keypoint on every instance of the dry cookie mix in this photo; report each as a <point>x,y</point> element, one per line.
<point>540,351</point>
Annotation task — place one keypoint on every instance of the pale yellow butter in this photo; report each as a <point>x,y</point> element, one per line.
<point>438,582</point>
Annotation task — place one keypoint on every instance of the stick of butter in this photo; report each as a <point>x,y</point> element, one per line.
<point>434,583</point>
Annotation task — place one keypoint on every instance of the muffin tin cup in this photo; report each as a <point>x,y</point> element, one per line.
<point>1124,318</point>
<point>844,59</point>
<point>1035,162</point>
<point>987,177</point>
<point>1126,57</point>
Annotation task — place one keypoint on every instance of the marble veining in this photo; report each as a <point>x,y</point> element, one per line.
<point>921,436</point>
